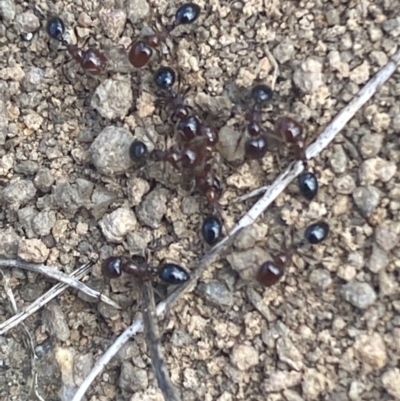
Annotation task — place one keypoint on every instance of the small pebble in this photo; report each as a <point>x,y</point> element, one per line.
<point>118,224</point>
<point>110,151</point>
<point>113,98</point>
<point>289,354</point>
<point>360,295</point>
<point>113,22</point>
<point>308,75</point>
<point>284,51</point>
<point>320,278</point>
<point>55,320</point>
<point>33,250</point>
<point>338,160</point>
<point>27,22</point>
<point>366,199</point>
<point>132,379</point>
<point>391,380</point>
<point>43,179</point>
<point>19,193</point>
<point>83,364</point>
<point>231,144</point>
<point>25,218</point>
<point>7,11</point>
<point>43,222</point>
<point>153,208</point>
<point>344,185</point>
<point>376,169</point>
<point>281,380</point>
<point>137,10</point>
<point>379,259</point>
<point>355,390</point>
<point>216,293</point>
<point>244,357</point>
<point>371,349</point>
<point>387,235</point>
<point>313,384</point>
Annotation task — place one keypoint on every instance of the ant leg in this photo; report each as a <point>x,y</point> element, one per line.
<point>66,75</point>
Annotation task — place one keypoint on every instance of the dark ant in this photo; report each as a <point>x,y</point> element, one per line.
<point>141,51</point>
<point>271,272</point>
<point>286,129</point>
<point>91,60</point>
<point>188,125</point>
<point>257,145</point>
<point>211,229</point>
<point>137,267</point>
<point>197,140</point>
<point>138,152</point>
<point>291,132</point>
<point>308,185</point>
<point>170,273</point>
<point>317,232</point>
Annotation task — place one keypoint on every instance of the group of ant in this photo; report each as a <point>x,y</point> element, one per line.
<point>196,141</point>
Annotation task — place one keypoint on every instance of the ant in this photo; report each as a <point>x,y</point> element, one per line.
<point>286,129</point>
<point>91,60</point>
<point>257,145</point>
<point>141,51</point>
<point>188,126</point>
<point>270,272</point>
<point>170,273</point>
<point>196,142</point>
<point>291,131</point>
<point>137,267</point>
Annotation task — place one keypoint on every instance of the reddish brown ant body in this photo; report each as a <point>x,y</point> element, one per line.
<point>270,272</point>
<point>141,51</point>
<point>91,60</point>
<point>136,266</point>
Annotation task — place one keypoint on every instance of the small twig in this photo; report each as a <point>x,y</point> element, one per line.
<point>43,300</point>
<point>270,195</point>
<point>252,194</point>
<point>154,345</point>
<point>275,66</point>
<point>59,276</point>
<point>28,337</point>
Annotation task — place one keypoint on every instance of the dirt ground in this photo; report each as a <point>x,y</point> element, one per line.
<point>330,329</point>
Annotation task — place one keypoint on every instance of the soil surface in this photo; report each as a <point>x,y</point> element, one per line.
<point>69,193</point>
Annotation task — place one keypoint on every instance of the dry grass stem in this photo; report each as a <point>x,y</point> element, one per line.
<point>59,276</point>
<point>43,300</point>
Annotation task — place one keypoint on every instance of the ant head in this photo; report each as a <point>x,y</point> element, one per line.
<point>165,78</point>
<point>138,151</point>
<point>112,267</point>
<point>186,14</point>
<point>261,94</point>
<point>317,232</point>
<point>55,28</point>
<point>211,229</point>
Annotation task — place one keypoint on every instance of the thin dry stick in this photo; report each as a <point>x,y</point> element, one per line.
<point>28,337</point>
<point>43,300</point>
<point>272,193</point>
<point>153,338</point>
<point>59,276</point>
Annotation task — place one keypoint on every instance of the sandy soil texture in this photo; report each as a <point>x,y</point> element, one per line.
<point>69,194</point>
